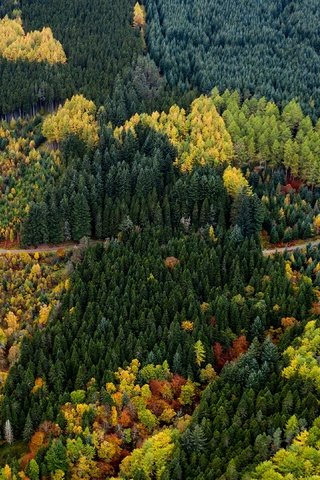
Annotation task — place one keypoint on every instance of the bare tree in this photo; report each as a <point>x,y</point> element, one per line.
<point>8,433</point>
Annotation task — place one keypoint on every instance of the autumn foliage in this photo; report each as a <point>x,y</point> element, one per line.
<point>200,137</point>
<point>235,182</point>
<point>303,357</point>
<point>171,262</point>
<point>26,168</point>
<point>137,421</point>
<point>25,278</point>
<point>36,46</point>
<point>139,16</point>
<point>239,346</point>
<point>75,117</point>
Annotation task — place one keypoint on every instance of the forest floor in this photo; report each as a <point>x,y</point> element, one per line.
<point>7,452</point>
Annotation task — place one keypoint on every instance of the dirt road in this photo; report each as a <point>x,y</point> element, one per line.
<point>40,249</point>
<point>281,250</point>
<point>74,246</point>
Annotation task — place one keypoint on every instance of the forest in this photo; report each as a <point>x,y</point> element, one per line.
<point>259,48</point>
<point>94,58</point>
<point>130,179</point>
<point>32,286</point>
<point>159,240</point>
<point>114,70</point>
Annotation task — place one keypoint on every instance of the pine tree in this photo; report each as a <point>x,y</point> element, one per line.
<point>81,219</point>
<point>56,457</point>
<point>28,429</point>
<point>33,470</point>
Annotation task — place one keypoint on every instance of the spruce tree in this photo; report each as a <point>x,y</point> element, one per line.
<point>81,219</point>
<point>28,429</point>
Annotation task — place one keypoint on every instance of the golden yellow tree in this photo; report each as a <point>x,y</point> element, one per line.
<point>36,46</point>
<point>44,314</point>
<point>208,140</point>
<point>12,323</point>
<point>152,458</point>
<point>10,30</point>
<point>235,182</point>
<point>200,352</point>
<point>299,462</point>
<point>201,137</point>
<point>316,223</point>
<point>303,357</point>
<point>139,16</point>
<point>76,117</point>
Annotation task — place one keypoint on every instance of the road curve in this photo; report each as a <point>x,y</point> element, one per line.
<point>272,251</point>
<point>74,246</point>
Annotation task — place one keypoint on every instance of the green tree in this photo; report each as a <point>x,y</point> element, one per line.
<point>81,219</point>
<point>33,470</point>
<point>56,457</point>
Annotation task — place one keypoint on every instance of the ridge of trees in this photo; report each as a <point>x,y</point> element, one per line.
<point>134,183</point>
<point>272,402</point>
<point>252,393</point>
<point>255,135</point>
<point>301,459</point>
<point>286,215</point>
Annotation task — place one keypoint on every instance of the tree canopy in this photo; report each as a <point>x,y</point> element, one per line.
<point>36,46</point>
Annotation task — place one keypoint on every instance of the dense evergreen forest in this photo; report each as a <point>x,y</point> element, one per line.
<point>264,50</point>
<point>153,156</point>
<point>128,300</point>
<point>96,60</point>
<point>260,48</point>
<point>106,57</point>
<point>94,57</point>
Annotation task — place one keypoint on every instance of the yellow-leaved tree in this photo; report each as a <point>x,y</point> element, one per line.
<point>316,224</point>
<point>76,117</point>
<point>10,30</point>
<point>208,140</point>
<point>235,182</point>
<point>36,46</point>
<point>200,137</point>
<point>139,16</point>
<point>200,352</point>
<point>299,462</point>
<point>152,458</point>
<point>303,359</point>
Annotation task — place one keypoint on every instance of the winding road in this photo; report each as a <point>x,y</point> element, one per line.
<point>272,251</point>
<point>74,246</point>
